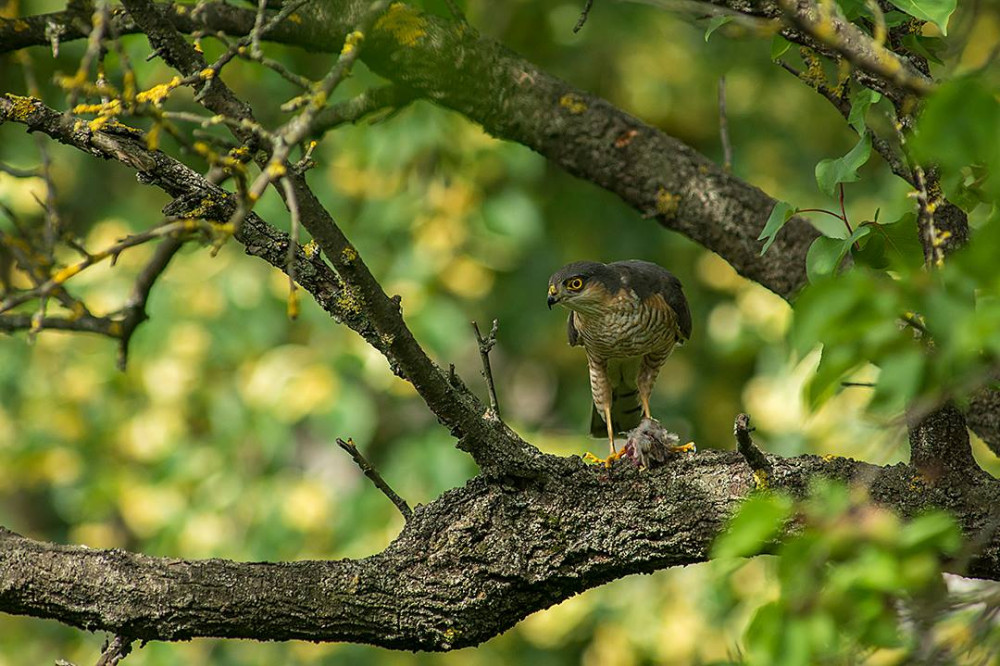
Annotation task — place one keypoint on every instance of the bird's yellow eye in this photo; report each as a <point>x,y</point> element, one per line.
<point>574,284</point>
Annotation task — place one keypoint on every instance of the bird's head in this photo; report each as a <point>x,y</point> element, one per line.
<point>581,286</point>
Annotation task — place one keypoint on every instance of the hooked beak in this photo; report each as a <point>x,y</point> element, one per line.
<point>552,300</point>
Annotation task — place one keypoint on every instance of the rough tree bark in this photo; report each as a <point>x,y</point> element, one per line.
<point>532,529</point>
<point>468,566</point>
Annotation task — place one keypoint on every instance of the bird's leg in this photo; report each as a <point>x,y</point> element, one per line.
<point>648,371</point>
<point>600,389</point>
<point>615,455</point>
<point>611,427</point>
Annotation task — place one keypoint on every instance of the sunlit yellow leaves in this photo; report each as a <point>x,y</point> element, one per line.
<point>148,508</point>
<point>59,466</point>
<point>467,278</point>
<point>289,383</point>
<point>22,195</point>
<point>716,272</point>
<point>306,506</point>
<point>767,312</point>
<point>552,627</point>
<point>206,535</point>
<point>168,380</point>
<point>354,180</point>
<point>150,435</point>
<point>97,535</point>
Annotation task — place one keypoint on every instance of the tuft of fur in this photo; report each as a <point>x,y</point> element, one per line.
<point>649,445</point>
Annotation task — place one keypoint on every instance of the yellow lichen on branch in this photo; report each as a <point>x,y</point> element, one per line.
<point>351,43</point>
<point>20,107</point>
<point>157,94</point>
<point>667,203</point>
<point>404,24</point>
<point>573,103</point>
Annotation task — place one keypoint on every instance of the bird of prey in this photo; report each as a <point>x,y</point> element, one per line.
<point>628,316</point>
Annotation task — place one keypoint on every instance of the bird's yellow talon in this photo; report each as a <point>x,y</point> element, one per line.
<point>685,448</point>
<point>594,460</point>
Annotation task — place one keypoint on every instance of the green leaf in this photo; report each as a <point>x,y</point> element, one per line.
<point>960,126</point>
<point>902,242</point>
<point>834,363</point>
<point>820,307</point>
<point>759,520</point>
<point>925,46</point>
<point>900,379</point>
<point>935,531</point>
<point>936,11</point>
<point>852,9</point>
<point>780,214</point>
<point>860,102</point>
<point>715,23</point>
<point>829,173</point>
<point>779,45</point>
<point>825,254</point>
<point>872,251</point>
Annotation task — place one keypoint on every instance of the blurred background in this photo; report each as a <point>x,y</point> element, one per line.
<point>218,440</point>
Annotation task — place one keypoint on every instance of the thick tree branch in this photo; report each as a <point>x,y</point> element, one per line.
<point>939,444</point>
<point>466,567</point>
<point>454,66</point>
<point>827,28</point>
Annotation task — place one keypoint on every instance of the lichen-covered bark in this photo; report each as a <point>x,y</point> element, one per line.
<point>466,567</point>
<point>452,65</point>
<point>533,529</point>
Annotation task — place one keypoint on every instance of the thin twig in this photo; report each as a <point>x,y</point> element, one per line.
<point>293,244</point>
<point>727,148</point>
<point>376,478</point>
<point>299,127</point>
<point>485,345</point>
<point>57,279</point>
<point>135,311</point>
<point>583,16</point>
<point>258,25</point>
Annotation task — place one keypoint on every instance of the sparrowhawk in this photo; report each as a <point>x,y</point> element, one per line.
<point>628,316</point>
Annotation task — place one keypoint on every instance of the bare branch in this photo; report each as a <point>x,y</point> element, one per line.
<point>583,15</point>
<point>485,345</point>
<point>514,100</point>
<point>135,309</point>
<point>759,464</point>
<point>375,477</point>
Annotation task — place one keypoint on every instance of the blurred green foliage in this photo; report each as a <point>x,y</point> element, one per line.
<point>855,584</point>
<point>218,440</point>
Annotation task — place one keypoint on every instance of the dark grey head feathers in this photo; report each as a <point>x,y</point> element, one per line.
<point>644,278</point>
<point>587,271</point>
